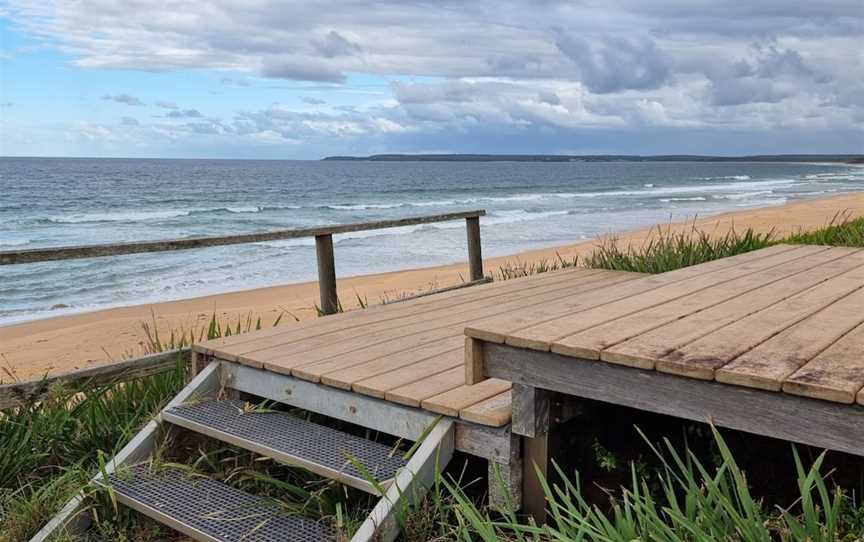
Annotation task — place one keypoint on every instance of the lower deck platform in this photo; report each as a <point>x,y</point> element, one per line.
<point>409,353</point>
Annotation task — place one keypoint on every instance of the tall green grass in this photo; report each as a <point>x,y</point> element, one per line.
<point>692,502</point>
<point>49,448</point>
<point>667,250</point>
<point>842,231</point>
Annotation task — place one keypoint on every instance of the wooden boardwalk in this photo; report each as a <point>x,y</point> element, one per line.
<point>412,352</point>
<point>786,319</point>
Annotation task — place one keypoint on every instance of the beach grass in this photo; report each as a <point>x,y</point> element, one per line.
<point>667,250</point>
<point>687,500</point>
<point>842,231</point>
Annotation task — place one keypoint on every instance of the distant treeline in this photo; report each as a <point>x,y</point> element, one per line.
<point>839,158</point>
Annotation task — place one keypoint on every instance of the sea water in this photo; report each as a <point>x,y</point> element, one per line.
<point>56,202</point>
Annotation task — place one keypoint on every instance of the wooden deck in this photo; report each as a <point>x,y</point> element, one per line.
<point>412,352</point>
<point>786,319</point>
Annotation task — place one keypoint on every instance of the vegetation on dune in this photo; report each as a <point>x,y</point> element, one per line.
<point>842,231</point>
<point>49,450</point>
<point>667,250</point>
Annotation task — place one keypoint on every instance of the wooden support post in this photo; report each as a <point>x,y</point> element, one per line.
<point>531,418</point>
<point>475,256</point>
<point>535,463</point>
<point>326,274</point>
<point>505,478</point>
<point>473,361</point>
<point>531,408</point>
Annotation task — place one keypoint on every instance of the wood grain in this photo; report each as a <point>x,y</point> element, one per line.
<point>836,374</point>
<point>702,357</point>
<point>646,348</point>
<point>590,343</point>
<point>544,336</point>
<point>767,365</point>
<point>511,326</point>
<point>451,402</point>
<point>413,393</point>
<point>494,412</point>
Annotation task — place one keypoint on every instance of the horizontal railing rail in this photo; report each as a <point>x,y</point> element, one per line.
<point>31,391</point>
<point>323,246</point>
<point>33,255</point>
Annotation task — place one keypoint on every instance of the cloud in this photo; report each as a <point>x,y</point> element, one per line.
<point>301,70</point>
<point>184,114</point>
<point>613,64</point>
<point>127,99</point>
<point>334,44</point>
<point>528,70</point>
<point>129,121</point>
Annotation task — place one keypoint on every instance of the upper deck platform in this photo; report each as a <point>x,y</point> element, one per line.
<point>787,318</point>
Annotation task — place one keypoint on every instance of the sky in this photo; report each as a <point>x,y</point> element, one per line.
<point>302,80</point>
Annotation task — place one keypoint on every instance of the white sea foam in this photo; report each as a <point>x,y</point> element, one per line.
<point>14,242</point>
<point>124,216</point>
<point>696,198</point>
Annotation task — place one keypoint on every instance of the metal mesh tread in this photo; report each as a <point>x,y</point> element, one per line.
<point>307,443</point>
<point>208,510</point>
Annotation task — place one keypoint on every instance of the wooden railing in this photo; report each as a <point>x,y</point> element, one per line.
<point>21,393</point>
<point>323,246</point>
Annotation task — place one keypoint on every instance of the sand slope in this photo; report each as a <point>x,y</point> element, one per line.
<point>76,341</point>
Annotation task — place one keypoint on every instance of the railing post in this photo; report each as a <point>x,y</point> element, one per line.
<point>475,257</point>
<point>326,274</point>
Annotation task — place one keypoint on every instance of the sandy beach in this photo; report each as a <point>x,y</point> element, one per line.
<point>65,343</point>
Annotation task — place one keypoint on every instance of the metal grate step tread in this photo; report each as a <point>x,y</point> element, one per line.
<point>323,450</point>
<point>210,511</point>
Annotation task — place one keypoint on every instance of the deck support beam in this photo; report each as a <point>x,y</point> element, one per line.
<point>493,443</point>
<point>813,422</point>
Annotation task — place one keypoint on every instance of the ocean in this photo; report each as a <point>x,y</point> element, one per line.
<point>54,202</point>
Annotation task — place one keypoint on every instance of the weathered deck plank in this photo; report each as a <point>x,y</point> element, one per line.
<point>494,411</point>
<point>380,384</point>
<point>543,336</point>
<point>450,403</point>
<point>767,365</point>
<point>317,346</point>
<point>240,344</point>
<point>506,327</point>
<point>413,393</point>
<point>645,348</point>
<point>837,374</point>
<point>702,357</point>
<point>590,343</point>
<point>310,359</point>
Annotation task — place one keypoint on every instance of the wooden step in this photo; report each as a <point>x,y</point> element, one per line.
<point>292,440</point>
<point>208,510</point>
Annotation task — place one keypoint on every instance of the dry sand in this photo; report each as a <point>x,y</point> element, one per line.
<point>70,342</point>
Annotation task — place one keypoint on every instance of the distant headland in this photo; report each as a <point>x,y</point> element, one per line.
<point>837,158</point>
